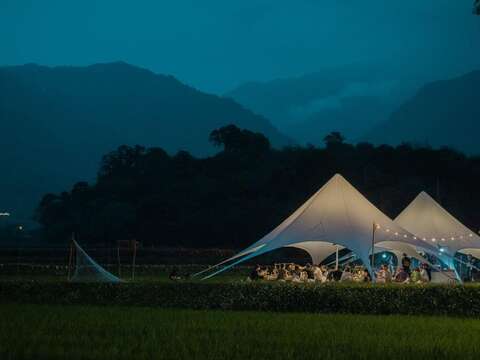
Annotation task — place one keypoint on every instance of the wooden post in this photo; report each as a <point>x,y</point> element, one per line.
<point>118,261</point>
<point>134,258</point>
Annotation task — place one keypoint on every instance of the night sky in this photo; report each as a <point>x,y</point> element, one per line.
<point>216,45</point>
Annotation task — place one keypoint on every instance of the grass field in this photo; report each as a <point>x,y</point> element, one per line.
<point>88,332</point>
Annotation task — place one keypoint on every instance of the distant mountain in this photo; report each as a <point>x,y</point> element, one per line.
<point>442,113</point>
<point>56,123</point>
<point>355,115</point>
<point>350,99</point>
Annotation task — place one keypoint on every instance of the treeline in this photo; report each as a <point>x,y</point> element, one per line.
<point>237,196</point>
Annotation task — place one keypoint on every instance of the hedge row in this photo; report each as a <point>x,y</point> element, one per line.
<point>358,299</point>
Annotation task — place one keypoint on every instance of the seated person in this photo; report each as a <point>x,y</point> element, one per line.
<point>416,276</point>
<point>366,276</point>
<point>347,274</point>
<point>383,275</point>
<point>401,276</point>
<point>303,275</point>
<point>310,272</point>
<point>317,273</point>
<point>272,275</point>
<point>254,275</point>
<point>174,275</point>
<point>358,275</point>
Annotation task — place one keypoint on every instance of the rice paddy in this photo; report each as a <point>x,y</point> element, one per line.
<point>97,332</point>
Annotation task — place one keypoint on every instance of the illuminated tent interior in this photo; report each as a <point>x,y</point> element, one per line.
<point>337,215</point>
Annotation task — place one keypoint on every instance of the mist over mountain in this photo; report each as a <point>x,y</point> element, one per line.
<point>350,99</point>
<point>442,113</point>
<point>56,123</point>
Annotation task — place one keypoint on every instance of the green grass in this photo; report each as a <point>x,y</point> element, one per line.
<point>89,332</point>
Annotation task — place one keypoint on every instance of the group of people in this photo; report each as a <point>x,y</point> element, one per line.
<point>321,273</point>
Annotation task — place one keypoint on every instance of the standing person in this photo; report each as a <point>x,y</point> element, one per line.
<point>428,271</point>
<point>406,263</point>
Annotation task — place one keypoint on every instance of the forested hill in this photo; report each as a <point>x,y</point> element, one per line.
<point>234,198</point>
<point>56,123</point>
<point>441,113</point>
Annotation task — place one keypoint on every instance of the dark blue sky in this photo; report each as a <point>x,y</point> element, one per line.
<point>216,44</point>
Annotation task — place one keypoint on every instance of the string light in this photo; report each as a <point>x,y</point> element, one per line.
<point>433,239</point>
<point>396,234</point>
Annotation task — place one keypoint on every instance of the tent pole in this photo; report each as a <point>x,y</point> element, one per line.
<point>372,262</point>
<point>70,259</point>
<point>336,259</point>
<point>118,261</point>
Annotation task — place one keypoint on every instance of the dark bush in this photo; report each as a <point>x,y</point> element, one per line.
<point>359,299</point>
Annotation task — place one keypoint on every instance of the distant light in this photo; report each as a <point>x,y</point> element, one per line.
<point>404,236</point>
<point>414,238</point>
<point>433,239</point>
<point>378,226</point>
<point>396,233</point>
<point>4,214</point>
<point>470,235</point>
<point>442,250</point>
<point>452,238</point>
<point>443,239</point>
<point>20,227</point>
<point>384,255</point>
<point>424,239</point>
<point>388,230</point>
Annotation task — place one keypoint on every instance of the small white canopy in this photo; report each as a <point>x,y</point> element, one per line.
<point>338,214</point>
<point>435,225</point>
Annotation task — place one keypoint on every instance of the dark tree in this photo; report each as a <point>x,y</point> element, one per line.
<point>334,138</point>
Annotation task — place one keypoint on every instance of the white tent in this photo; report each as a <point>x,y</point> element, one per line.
<point>337,215</point>
<point>433,224</point>
<point>87,270</point>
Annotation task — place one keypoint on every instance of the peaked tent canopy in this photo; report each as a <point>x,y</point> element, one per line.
<point>338,214</point>
<point>435,225</point>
